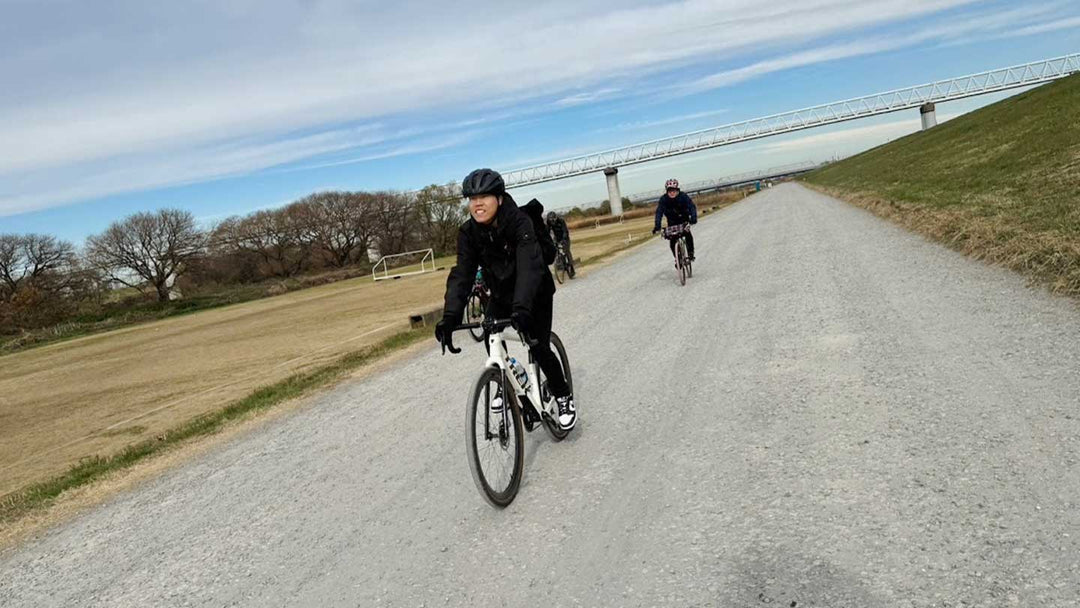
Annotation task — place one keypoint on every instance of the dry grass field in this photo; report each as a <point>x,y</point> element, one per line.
<point>94,395</point>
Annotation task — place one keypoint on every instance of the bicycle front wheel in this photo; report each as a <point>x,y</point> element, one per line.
<point>495,442</point>
<point>559,272</point>
<point>680,252</point>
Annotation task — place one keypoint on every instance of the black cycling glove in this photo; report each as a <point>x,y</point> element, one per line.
<point>444,333</point>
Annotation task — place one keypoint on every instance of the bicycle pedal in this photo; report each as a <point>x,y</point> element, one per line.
<point>530,418</point>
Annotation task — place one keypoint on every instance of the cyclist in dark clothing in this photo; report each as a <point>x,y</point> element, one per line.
<point>677,207</point>
<point>502,238</point>
<point>560,233</point>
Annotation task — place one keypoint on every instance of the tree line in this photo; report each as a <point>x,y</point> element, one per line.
<point>44,280</point>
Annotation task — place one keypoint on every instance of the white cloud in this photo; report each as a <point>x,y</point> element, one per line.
<point>997,24</point>
<point>588,97</point>
<point>648,124</point>
<point>115,98</point>
<point>417,148</point>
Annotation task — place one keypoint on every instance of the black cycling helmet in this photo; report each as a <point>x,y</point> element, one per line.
<point>551,216</point>
<point>482,181</point>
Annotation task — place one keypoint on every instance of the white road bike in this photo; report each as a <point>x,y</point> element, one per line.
<point>500,410</point>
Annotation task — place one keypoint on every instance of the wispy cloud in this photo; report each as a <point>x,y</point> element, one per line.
<point>671,120</point>
<point>442,143</point>
<point>584,98</point>
<point>999,23</point>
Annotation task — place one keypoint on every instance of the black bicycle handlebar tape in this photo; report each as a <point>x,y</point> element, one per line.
<point>497,325</point>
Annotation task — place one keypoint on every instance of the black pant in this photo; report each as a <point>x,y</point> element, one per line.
<point>541,332</point>
<point>566,247</point>
<point>689,244</point>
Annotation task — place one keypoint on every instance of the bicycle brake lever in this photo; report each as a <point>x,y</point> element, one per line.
<point>528,340</point>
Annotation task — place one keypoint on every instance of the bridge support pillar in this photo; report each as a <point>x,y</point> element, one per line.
<point>929,116</point>
<point>613,193</point>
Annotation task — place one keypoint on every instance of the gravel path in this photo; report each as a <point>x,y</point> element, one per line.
<point>833,412</point>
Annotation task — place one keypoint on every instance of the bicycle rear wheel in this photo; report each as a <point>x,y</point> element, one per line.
<point>557,432</point>
<point>474,313</point>
<point>494,440</point>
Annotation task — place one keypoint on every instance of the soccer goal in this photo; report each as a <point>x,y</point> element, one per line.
<point>399,265</point>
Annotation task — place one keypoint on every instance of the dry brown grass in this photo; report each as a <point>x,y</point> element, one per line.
<point>1046,257</point>
<point>96,395</point>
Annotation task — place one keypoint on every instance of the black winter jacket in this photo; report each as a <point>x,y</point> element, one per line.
<point>508,250</point>
<point>678,210</point>
<point>559,230</point>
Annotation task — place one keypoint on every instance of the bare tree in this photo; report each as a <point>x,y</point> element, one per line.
<point>396,228</point>
<point>281,238</point>
<point>32,259</point>
<point>147,250</point>
<point>441,212</point>
<point>340,224</point>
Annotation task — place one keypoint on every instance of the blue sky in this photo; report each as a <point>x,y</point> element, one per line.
<point>224,107</point>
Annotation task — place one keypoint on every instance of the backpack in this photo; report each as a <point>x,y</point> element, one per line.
<point>535,210</point>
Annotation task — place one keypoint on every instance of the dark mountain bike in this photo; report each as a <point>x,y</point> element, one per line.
<point>683,268</point>
<point>564,264</point>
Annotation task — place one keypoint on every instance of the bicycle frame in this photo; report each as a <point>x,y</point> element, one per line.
<point>500,358</point>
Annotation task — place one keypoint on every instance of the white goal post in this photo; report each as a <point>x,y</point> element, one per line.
<point>425,262</point>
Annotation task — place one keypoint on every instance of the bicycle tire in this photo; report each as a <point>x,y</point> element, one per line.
<point>680,252</point>
<point>557,432</point>
<point>558,271</point>
<point>474,313</point>
<point>493,377</point>
<point>570,270</point>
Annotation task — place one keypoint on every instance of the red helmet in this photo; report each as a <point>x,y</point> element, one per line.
<point>671,183</point>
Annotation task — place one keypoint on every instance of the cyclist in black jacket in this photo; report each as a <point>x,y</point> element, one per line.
<point>679,209</point>
<point>560,232</point>
<point>501,238</point>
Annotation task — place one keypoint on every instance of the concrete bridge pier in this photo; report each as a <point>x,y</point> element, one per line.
<point>929,116</point>
<point>613,193</point>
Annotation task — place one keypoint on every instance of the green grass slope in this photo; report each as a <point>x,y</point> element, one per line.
<point>1001,183</point>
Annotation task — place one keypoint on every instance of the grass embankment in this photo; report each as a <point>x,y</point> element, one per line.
<point>93,468</point>
<point>1001,184</point>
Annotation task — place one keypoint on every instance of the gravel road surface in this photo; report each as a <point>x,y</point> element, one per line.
<point>833,412</point>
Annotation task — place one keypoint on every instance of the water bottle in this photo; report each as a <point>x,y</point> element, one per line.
<point>519,372</point>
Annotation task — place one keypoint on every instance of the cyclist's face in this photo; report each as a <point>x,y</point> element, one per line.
<point>673,192</point>
<point>483,207</point>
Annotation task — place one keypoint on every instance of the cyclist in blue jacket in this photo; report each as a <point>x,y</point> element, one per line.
<point>679,209</point>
